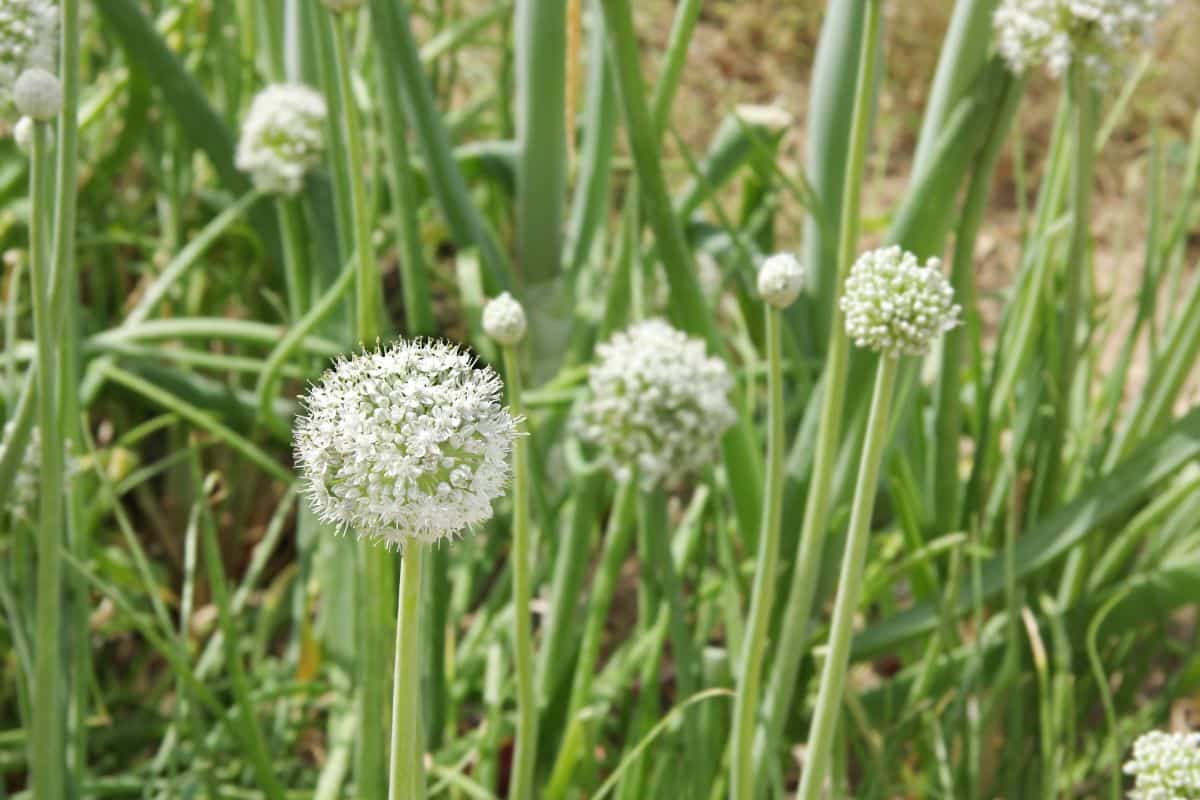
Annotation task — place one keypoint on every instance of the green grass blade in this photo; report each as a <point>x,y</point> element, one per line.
<point>1107,500</point>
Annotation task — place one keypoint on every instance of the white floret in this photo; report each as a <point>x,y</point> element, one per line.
<point>1099,33</point>
<point>28,39</point>
<point>658,403</point>
<point>408,442</point>
<point>895,305</point>
<point>282,137</point>
<point>1165,766</point>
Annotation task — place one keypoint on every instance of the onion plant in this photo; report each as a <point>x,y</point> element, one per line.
<point>737,523</point>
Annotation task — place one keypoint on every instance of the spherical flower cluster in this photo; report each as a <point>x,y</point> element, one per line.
<point>658,404</point>
<point>781,278</point>
<point>38,94</point>
<point>1055,32</point>
<point>282,137</point>
<point>895,305</point>
<point>1165,766</point>
<point>28,32</point>
<point>407,442</point>
<point>504,320</point>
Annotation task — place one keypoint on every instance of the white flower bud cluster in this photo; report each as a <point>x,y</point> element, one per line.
<point>407,442</point>
<point>1165,766</point>
<point>28,38</point>
<point>895,305</point>
<point>504,320</point>
<point>781,278</point>
<point>38,94</point>
<point>283,137</point>
<point>1054,32</point>
<point>659,403</point>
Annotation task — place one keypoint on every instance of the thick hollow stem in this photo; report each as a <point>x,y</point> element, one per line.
<point>526,745</point>
<point>617,538</point>
<point>754,644</point>
<point>794,631</point>
<point>1083,169</point>
<point>406,774</point>
<point>48,764</point>
<point>377,576</point>
<point>837,656</point>
<point>367,285</point>
<point>295,271</point>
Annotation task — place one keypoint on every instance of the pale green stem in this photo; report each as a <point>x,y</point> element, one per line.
<point>66,275</point>
<point>48,753</point>
<point>377,577</point>
<point>527,718</point>
<point>295,272</point>
<point>1083,108</point>
<point>798,610</point>
<point>617,538</point>
<point>837,656</point>
<point>367,280</point>
<point>407,769</point>
<point>745,712</point>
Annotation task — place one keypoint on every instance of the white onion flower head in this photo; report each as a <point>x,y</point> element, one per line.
<point>781,278</point>
<point>1099,33</point>
<point>659,403</point>
<point>504,320</point>
<point>1165,766</point>
<point>28,38</point>
<point>283,137</point>
<point>38,94</point>
<point>406,442</point>
<point>895,305</point>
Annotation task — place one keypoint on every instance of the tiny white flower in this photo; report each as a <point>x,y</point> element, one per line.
<point>504,320</point>
<point>282,137</point>
<point>38,94</point>
<point>781,278</point>
<point>1099,33</point>
<point>659,403</point>
<point>1165,766</point>
<point>407,442</point>
<point>28,38</point>
<point>895,305</point>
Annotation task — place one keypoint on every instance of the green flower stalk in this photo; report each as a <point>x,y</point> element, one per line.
<point>504,320</point>
<point>377,579</point>
<point>802,590</point>
<point>407,446</point>
<point>780,281</point>
<point>895,306</point>
<point>38,95</point>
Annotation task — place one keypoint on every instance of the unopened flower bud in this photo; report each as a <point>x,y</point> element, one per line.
<point>504,320</point>
<point>781,278</point>
<point>38,94</point>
